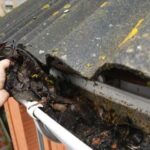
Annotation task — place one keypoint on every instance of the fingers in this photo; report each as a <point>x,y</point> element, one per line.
<point>3,65</point>
<point>4,95</point>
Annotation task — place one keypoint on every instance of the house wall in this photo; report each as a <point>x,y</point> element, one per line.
<point>23,131</point>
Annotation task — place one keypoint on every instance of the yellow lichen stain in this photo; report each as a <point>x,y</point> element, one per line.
<point>55,13</point>
<point>88,65</point>
<point>63,15</point>
<point>49,81</point>
<point>35,76</point>
<point>102,58</point>
<point>104,4</point>
<point>133,32</point>
<point>55,50</point>
<point>67,6</point>
<point>46,6</point>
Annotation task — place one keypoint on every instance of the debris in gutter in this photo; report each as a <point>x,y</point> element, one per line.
<point>97,127</point>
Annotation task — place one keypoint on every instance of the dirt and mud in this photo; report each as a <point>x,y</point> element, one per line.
<point>97,127</point>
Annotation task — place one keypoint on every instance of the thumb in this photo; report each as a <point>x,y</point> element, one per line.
<point>4,95</point>
<point>3,65</point>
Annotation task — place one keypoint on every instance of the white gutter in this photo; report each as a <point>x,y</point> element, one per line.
<point>64,136</point>
<point>118,96</point>
<point>49,127</point>
<point>71,142</point>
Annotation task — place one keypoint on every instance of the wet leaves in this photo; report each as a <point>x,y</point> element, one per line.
<point>59,107</point>
<point>100,129</point>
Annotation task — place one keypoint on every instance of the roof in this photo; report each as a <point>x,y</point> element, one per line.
<point>84,34</point>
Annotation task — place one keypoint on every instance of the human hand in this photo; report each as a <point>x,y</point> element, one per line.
<point>4,95</point>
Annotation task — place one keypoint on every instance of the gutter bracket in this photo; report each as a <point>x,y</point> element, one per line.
<point>31,106</point>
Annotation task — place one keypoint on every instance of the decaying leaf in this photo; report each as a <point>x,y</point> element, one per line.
<point>102,130</point>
